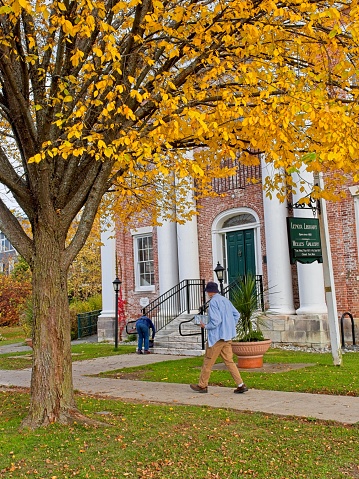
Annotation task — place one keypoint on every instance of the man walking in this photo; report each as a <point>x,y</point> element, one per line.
<point>221,329</point>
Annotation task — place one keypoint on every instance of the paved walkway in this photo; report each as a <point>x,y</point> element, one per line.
<point>343,409</point>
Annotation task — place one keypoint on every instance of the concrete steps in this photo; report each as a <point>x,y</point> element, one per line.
<point>169,341</point>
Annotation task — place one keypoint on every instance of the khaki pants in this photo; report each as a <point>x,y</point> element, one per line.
<point>223,349</point>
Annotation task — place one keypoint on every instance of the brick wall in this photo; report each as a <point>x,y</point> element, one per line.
<point>125,260</point>
<point>210,208</point>
<point>344,248</point>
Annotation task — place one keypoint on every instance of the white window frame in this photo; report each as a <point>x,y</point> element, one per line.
<point>136,235</point>
<point>5,244</point>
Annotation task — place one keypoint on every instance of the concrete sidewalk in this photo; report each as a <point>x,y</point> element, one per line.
<point>343,409</point>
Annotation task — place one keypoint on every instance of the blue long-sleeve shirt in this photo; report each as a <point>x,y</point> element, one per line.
<point>149,324</point>
<point>223,318</point>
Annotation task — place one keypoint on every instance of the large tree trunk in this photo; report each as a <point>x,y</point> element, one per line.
<point>52,397</point>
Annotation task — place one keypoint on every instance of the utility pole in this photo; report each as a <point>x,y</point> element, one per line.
<point>329,281</point>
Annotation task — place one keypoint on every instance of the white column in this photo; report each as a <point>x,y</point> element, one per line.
<point>106,321</point>
<point>187,242</point>
<point>188,255</point>
<point>187,236</point>
<point>310,276</point>
<point>280,294</point>
<point>167,256</point>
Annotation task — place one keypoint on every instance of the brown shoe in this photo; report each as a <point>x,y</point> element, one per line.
<point>241,389</point>
<point>146,351</point>
<point>198,389</point>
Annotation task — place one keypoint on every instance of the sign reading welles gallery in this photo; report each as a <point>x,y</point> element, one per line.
<point>304,240</point>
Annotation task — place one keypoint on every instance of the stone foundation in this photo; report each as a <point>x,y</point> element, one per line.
<point>106,330</point>
<point>298,330</point>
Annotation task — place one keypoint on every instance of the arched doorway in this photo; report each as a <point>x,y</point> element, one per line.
<point>236,243</point>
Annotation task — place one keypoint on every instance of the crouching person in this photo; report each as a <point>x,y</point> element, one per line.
<point>143,326</point>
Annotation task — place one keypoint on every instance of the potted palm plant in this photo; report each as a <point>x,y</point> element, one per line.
<point>249,345</point>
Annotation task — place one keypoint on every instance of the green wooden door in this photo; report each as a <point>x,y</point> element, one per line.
<point>240,254</point>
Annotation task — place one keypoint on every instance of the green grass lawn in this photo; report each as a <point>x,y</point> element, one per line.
<point>11,335</point>
<point>161,442</point>
<point>21,360</point>
<point>170,441</point>
<point>322,377</point>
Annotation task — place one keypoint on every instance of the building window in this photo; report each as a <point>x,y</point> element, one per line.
<point>239,220</point>
<point>5,244</point>
<point>144,267</point>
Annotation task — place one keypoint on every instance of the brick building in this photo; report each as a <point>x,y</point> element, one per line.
<point>245,232</point>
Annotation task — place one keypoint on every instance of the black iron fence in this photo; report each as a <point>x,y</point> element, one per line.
<point>87,323</point>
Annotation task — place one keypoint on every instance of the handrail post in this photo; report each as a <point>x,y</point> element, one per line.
<point>202,338</point>
<point>261,291</point>
<point>342,327</point>
<point>188,296</point>
<point>203,291</point>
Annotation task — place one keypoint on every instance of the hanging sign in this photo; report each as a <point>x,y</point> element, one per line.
<point>304,240</point>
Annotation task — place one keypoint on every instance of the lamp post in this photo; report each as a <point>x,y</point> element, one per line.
<point>219,273</point>
<point>116,286</point>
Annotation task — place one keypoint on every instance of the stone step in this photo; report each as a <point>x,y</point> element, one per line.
<point>169,341</point>
<point>179,352</point>
<point>190,340</point>
<point>173,347</point>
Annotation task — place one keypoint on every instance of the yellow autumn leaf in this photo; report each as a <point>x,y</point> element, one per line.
<point>36,158</point>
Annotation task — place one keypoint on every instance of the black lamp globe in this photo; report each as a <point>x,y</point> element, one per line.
<point>219,270</point>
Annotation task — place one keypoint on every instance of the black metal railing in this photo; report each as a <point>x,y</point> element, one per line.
<point>185,297</point>
<point>226,292</point>
<point>87,323</point>
<point>201,331</point>
<point>342,327</point>
<point>242,177</point>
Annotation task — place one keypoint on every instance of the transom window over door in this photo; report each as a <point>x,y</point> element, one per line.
<point>239,220</point>
<point>144,266</point>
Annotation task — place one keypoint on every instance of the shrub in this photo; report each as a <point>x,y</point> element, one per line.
<point>26,317</point>
<point>13,296</point>
<point>77,306</point>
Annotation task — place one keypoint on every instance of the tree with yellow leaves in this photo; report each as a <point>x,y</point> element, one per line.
<point>114,95</point>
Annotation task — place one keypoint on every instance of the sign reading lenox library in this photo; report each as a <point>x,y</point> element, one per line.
<point>304,240</point>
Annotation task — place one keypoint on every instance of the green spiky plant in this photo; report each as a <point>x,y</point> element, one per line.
<point>245,299</point>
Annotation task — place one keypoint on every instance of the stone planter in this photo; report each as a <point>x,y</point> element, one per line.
<point>250,354</point>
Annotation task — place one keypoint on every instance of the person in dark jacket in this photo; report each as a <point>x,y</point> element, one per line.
<point>143,326</point>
